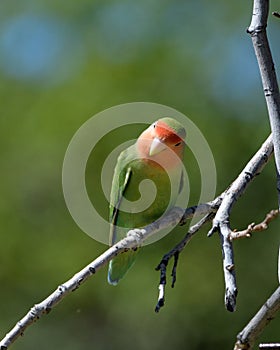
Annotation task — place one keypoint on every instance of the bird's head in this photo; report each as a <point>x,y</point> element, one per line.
<point>164,137</point>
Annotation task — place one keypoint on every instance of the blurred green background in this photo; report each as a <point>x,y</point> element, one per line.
<point>63,61</point>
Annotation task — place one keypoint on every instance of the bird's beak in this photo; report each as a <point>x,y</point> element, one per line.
<point>156,147</point>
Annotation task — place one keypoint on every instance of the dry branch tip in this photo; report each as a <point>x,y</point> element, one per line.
<point>253,227</point>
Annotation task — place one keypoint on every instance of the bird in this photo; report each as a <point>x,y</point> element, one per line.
<point>157,156</point>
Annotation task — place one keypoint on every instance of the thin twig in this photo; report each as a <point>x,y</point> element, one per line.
<point>254,227</point>
<point>174,253</point>
<point>206,209</point>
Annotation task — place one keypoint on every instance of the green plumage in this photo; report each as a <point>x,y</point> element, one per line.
<point>129,173</point>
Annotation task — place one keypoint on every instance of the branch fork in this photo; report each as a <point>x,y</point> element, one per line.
<point>217,210</point>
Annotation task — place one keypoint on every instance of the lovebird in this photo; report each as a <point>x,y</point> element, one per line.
<point>156,156</point>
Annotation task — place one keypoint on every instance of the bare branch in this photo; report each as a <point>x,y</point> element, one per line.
<point>254,227</point>
<point>208,210</point>
<point>252,169</point>
<point>221,220</point>
<point>134,238</point>
<point>247,337</point>
<point>257,30</point>
<point>202,209</point>
<point>175,253</point>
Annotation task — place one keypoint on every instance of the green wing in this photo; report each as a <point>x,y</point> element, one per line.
<point>121,180</point>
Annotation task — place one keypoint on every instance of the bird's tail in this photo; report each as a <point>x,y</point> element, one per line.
<point>120,265</point>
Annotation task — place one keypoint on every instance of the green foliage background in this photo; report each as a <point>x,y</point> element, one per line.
<point>62,62</point>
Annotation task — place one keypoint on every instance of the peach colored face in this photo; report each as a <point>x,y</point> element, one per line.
<point>159,142</point>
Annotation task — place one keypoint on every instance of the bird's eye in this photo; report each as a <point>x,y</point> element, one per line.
<point>178,144</point>
<point>154,125</point>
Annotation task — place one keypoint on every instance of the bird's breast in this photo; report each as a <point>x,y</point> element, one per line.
<point>151,191</point>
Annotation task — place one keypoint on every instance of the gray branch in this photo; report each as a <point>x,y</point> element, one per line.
<point>222,205</point>
<point>221,220</point>
<point>208,210</point>
<point>134,238</point>
<point>248,336</point>
<point>257,30</point>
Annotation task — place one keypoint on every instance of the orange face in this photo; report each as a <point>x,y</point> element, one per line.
<point>161,143</point>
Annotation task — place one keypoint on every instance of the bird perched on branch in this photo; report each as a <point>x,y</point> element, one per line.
<point>156,156</point>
